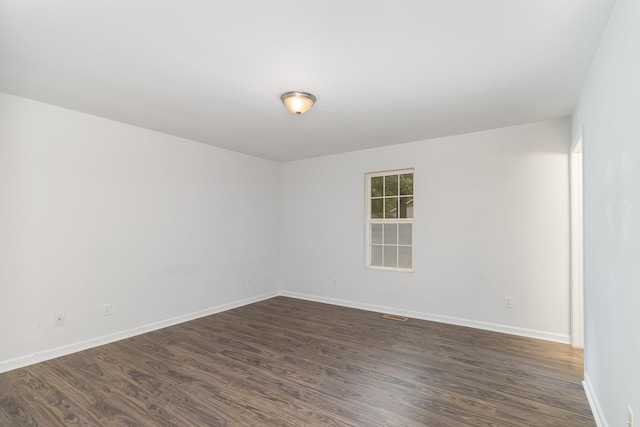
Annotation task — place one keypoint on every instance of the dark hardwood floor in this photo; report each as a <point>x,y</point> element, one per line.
<point>286,362</point>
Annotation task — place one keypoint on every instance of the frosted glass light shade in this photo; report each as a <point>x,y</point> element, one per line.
<point>298,102</point>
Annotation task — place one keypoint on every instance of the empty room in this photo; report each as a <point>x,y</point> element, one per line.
<point>289,213</point>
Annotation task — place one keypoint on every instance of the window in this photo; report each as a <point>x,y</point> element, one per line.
<point>390,220</point>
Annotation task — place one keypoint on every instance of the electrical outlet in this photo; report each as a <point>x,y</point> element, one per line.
<point>630,419</point>
<point>334,281</point>
<point>508,302</point>
<point>58,319</point>
<point>106,309</point>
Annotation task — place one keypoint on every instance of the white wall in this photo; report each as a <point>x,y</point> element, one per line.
<point>491,219</point>
<point>93,211</point>
<point>609,111</point>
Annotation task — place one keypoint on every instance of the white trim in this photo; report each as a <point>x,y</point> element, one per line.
<point>577,244</point>
<point>391,172</point>
<point>596,409</point>
<point>576,147</point>
<point>52,353</point>
<point>48,354</point>
<point>383,268</point>
<point>505,329</point>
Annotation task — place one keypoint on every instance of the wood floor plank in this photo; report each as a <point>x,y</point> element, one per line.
<point>288,362</point>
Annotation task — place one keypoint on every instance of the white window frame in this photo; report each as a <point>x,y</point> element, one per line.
<point>369,221</point>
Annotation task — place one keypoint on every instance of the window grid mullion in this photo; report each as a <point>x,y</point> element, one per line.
<point>398,233</point>
<point>386,221</point>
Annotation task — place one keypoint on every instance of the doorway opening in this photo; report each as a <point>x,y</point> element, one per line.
<point>577,249</point>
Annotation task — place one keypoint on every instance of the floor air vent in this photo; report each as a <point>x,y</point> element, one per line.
<point>394,317</point>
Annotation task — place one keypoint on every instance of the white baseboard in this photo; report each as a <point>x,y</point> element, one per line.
<point>596,409</point>
<point>52,353</point>
<point>30,359</point>
<point>530,333</point>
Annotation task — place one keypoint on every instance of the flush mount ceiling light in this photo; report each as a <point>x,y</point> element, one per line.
<point>298,102</point>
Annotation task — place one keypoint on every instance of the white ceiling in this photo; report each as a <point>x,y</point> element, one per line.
<point>384,72</point>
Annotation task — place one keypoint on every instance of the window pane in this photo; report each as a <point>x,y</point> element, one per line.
<point>406,207</point>
<point>390,201</point>
<point>376,255</point>
<point>376,186</point>
<point>391,207</point>
<point>404,257</point>
<point>404,236</point>
<point>406,184</point>
<point>390,256</point>
<point>391,185</point>
<point>376,208</point>
<point>376,234</point>
<point>390,234</point>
